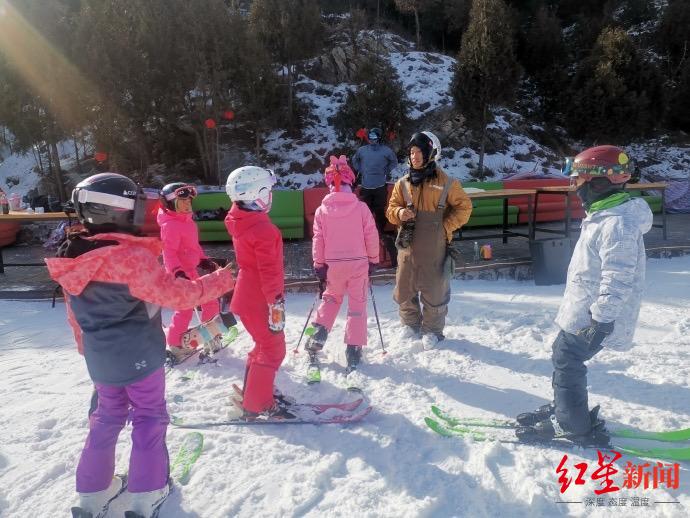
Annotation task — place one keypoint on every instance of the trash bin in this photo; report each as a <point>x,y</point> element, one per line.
<point>550,260</point>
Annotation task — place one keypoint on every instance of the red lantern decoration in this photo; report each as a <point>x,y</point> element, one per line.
<point>210,123</point>
<point>229,115</point>
<point>100,156</point>
<point>362,134</point>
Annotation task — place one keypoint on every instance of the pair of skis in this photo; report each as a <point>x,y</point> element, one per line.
<point>305,413</point>
<point>480,429</point>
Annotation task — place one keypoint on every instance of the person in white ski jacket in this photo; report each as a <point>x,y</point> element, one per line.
<point>603,292</point>
<point>607,271</point>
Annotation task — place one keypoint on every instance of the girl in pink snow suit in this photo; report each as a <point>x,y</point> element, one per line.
<point>182,254</point>
<point>345,249</point>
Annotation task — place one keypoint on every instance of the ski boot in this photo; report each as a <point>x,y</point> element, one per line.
<point>148,504</point>
<point>95,505</point>
<point>355,379</point>
<point>353,354</point>
<point>210,348</point>
<point>549,430</point>
<point>178,354</point>
<point>313,346</point>
<point>541,413</point>
<point>317,339</point>
<point>278,412</point>
<point>429,340</point>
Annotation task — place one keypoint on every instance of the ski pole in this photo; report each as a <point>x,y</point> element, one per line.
<point>376,314</point>
<point>316,299</point>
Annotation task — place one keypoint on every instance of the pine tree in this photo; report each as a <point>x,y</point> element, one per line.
<point>679,102</point>
<point>615,93</point>
<point>545,57</point>
<point>487,71</point>
<point>378,101</point>
<point>291,30</point>
<point>674,34</point>
<point>39,80</point>
<point>412,7</point>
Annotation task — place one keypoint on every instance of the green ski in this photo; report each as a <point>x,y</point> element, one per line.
<point>673,454</point>
<point>189,451</point>
<point>667,436</point>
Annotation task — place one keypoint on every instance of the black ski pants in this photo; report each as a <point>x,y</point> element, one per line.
<point>569,354</point>
<point>376,200</point>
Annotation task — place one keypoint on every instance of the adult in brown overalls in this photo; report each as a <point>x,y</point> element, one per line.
<point>428,206</point>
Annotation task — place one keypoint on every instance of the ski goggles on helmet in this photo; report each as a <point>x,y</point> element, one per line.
<point>184,192</point>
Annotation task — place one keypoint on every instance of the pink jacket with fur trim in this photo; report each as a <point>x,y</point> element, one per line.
<point>344,230</point>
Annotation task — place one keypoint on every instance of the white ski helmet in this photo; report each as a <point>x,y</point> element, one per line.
<point>251,187</point>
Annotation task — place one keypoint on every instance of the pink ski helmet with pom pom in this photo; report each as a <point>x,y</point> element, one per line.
<point>338,172</point>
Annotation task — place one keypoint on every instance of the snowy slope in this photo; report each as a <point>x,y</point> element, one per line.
<point>18,172</point>
<point>496,362</point>
<point>426,78</point>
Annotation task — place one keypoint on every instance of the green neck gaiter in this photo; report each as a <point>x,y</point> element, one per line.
<point>612,201</point>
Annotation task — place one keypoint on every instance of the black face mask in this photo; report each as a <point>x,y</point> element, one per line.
<point>417,176</point>
<point>596,189</point>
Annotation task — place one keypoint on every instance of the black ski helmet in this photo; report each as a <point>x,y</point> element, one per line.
<point>109,202</point>
<point>169,194</point>
<point>428,143</point>
<point>375,134</point>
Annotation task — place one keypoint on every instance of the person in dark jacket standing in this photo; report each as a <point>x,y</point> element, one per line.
<point>114,288</point>
<point>373,164</point>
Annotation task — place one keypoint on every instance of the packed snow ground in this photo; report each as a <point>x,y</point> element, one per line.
<point>495,362</point>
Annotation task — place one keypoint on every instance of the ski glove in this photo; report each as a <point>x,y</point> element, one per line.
<point>596,332</point>
<point>208,265</point>
<point>181,274</point>
<point>372,268</point>
<point>276,315</point>
<point>321,272</point>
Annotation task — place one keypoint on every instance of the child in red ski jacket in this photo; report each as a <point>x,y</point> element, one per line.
<point>258,298</point>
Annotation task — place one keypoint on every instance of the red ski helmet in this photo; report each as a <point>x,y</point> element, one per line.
<point>609,162</point>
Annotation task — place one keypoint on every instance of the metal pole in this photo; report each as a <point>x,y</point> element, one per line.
<point>306,323</point>
<point>220,183</point>
<point>376,313</point>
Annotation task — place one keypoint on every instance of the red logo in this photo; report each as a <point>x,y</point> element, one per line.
<point>634,476</point>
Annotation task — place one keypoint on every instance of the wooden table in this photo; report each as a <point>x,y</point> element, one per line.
<point>505,195</point>
<point>567,190</point>
<point>28,217</point>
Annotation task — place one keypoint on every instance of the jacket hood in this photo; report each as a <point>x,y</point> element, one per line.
<point>74,274</point>
<point>340,204</point>
<point>636,210</point>
<point>165,216</point>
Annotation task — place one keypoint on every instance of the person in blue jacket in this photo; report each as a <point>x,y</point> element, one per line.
<point>373,163</point>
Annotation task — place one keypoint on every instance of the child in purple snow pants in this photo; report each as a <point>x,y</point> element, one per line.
<point>148,462</point>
